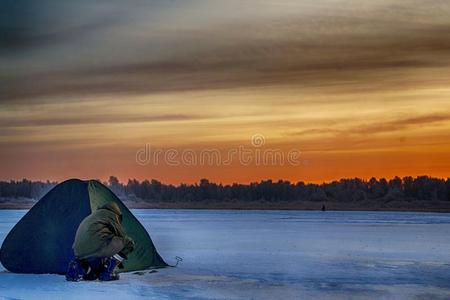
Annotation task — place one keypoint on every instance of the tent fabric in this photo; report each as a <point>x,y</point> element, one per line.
<point>41,242</point>
<point>144,253</point>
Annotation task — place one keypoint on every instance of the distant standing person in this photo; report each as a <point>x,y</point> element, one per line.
<point>323,207</point>
<point>100,245</point>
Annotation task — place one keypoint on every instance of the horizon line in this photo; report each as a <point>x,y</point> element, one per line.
<point>230,184</point>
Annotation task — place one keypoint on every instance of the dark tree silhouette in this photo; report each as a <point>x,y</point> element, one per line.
<point>422,189</point>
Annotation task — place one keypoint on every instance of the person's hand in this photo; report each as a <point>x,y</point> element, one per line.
<point>131,244</point>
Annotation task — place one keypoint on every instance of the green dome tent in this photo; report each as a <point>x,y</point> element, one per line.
<point>41,242</point>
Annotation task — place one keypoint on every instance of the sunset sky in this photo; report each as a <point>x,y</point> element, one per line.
<point>361,88</point>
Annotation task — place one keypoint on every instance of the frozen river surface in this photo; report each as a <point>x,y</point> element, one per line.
<point>270,255</point>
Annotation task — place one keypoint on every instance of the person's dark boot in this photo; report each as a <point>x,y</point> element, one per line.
<point>92,267</point>
<point>90,275</point>
<point>75,271</point>
<point>107,273</point>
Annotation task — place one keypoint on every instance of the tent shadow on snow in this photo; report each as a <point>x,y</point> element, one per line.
<point>41,242</point>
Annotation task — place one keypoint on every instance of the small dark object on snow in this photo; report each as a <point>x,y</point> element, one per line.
<point>140,273</point>
<point>323,208</point>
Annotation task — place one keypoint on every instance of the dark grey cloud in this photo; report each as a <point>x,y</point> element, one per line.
<point>29,25</point>
<point>379,127</point>
<point>379,48</point>
<point>22,38</point>
<point>91,119</point>
<point>402,124</point>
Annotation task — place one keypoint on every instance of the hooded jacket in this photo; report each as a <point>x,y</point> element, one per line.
<point>101,233</point>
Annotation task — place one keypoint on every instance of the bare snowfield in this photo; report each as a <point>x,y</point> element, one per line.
<point>270,255</point>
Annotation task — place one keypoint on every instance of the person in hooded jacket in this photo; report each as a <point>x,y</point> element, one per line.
<point>100,245</point>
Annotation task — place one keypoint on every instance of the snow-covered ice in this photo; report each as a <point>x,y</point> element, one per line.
<point>270,255</point>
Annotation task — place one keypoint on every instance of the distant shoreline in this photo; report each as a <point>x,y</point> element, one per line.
<point>421,194</point>
<point>396,206</point>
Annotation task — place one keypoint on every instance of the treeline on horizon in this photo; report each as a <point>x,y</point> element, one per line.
<point>422,188</point>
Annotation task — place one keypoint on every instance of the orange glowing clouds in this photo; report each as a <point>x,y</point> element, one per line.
<point>340,137</point>
<point>360,88</point>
